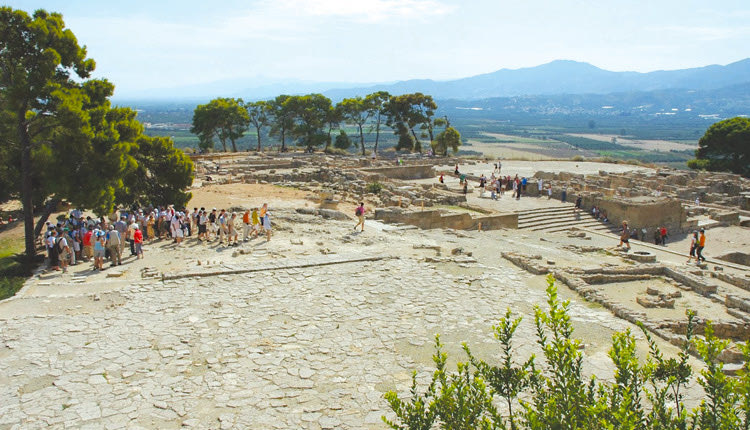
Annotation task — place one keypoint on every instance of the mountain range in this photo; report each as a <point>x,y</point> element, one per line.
<point>556,77</point>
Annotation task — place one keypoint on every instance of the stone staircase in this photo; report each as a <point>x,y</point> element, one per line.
<point>555,219</point>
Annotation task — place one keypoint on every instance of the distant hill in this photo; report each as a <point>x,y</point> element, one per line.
<point>563,77</point>
<point>728,101</point>
<point>556,77</point>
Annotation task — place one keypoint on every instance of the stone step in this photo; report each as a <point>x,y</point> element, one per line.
<point>559,217</point>
<point>567,225</point>
<point>541,211</point>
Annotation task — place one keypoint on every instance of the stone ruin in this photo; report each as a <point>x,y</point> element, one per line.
<point>594,284</point>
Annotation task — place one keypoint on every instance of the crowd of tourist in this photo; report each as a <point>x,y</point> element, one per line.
<point>77,239</point>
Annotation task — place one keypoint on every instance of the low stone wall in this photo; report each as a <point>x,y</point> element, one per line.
<point>404,172</point>
<point>430,219</point>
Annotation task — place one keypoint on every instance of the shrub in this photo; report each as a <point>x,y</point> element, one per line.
<point>643,396</point>
<point>374,187</point>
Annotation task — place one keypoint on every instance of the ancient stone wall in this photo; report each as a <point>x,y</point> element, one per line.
<point>429,219</point>
<point>404,172</point>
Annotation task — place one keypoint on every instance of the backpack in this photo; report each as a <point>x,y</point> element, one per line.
<point>358,211</point>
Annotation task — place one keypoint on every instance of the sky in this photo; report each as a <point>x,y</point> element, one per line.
<point>141,45</point>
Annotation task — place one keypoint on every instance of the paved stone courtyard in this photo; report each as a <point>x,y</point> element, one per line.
<point>314,347</point>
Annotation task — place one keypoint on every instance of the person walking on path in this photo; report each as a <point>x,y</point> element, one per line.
<point>625,236</point>
<point>540,186</point>
<point>267,225</point>
<point>549,191</point>
<point>663,234</point>
<point>138,242</point>
<point>693,246</point>
<point>360,213</point>
<point>247,226</point>
<point>701,244</point>
<point>564,196</point>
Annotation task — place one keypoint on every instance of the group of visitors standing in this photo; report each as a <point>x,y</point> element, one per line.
<point>78,238</point>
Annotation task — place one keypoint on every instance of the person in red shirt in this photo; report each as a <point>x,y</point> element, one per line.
<point>88,246</point>
<point>138,241</point>
<point>663,233</point>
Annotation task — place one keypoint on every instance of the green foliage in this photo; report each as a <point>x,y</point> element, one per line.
<point>407,111</point>
<point>280,117</point>
<point>224,118</point>
<point>160,176</point>
<point>725,147</point>
<point>310,114</point>
<point>448,138</point>
<point>642,396</point>
<point>59,133</point>
<point>374,187</point>
<point>342,140</point>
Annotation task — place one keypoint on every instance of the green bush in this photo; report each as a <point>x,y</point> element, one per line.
<point>374,187</point>
<point>643,396</point>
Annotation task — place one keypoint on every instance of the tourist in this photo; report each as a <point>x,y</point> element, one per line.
<point>499,166</point>
<point>579,201</point>
<point>129,236</point>
<point>113,242</point>
<point>564,194</point>
<point>442,181</point>
<point>657,236</point>
<point>697,201</point>
<point>52,251</point>
<point>456,170</point>
<point>663,234</point>
<point>178,228</point>
<point>122,227</point>
<point>701,244</point>
<point>222,223</point>
<point>246,225</point>
<point>267,225</point>
<point>549,191</point>
<point>202,223</point>
<point>194,220</point>
<point>232,230</point>
<point>88,245</point>
<point>64,249</point>
<point>150,223</point>
<point>99,249</point>
<point>71,256</point>
<point>466,187</point>
<point>360,214</point>
<point>524,181</point>
<point>211,224</point>
<point>625,236</point>
<point>693,246</point>
<point>256,222</point>
<point>540,186</point>
<point>138,242</point>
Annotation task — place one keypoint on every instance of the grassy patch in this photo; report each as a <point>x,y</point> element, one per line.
<point>12,271</point>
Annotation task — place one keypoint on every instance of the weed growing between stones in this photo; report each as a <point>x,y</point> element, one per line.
<point>643,396</point>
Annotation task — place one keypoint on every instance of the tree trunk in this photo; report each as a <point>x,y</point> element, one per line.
<point>283,141</point>
<point>224,144</point>
<point>417,143</point>
<point>362,139</point>
<point>27,199</point>
<point>258,128</point>
<point>234,146</point>
<point>49,207</point>
<point>377,134</point>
